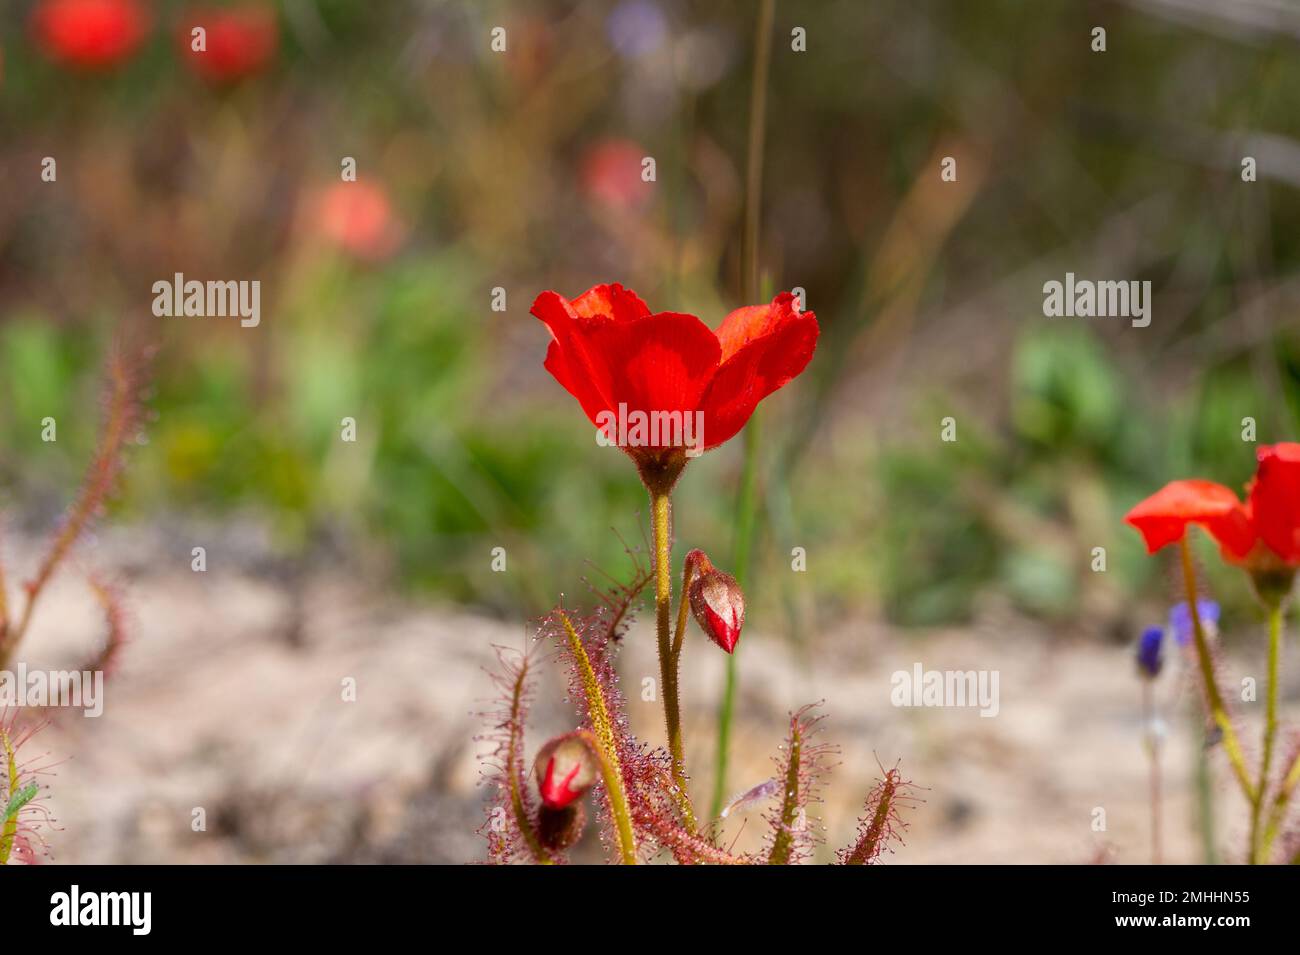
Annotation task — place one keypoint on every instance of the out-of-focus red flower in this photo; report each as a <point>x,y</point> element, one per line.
<point>610,174</point>
<point>89,34</point>
<point>239,41</point>
<point>358,218</point>
<point>565,769</point>
<point>626,365</point>
<point>1261,533</point>
<point>717,602</point>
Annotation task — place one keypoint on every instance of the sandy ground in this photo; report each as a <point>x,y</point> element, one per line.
<point>216,708</point>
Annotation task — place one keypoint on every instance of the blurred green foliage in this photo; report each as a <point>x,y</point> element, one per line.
<point>1110,164</point>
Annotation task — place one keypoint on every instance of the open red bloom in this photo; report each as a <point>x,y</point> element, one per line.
<point>1264,530</point>
<point>238,42</point>
<point>630,368</point>
<point>89,34</point>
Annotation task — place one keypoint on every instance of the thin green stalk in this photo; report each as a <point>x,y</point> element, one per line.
<point>604,743</point>
<point>1289,782</point>
<point>4,606</point>
<point>1153,760</point>
<point>683,606</point>
<point>746,518</point>
<point>1214,699</point>
<point>749,257</point>
<point>1259,841</point>
<point>1204,800</point>
<point>661,508</point>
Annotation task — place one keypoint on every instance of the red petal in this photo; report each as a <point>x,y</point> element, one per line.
<point>753,321</point>
<point>658,363</point>
<point>556,792</point>
<point>724,632</point>
<point>574,363</point>
<point>610,301</point>
<point>1163,517</point>
<point>764,347</point>
<point>582,372</point>
<point>1274,499</point>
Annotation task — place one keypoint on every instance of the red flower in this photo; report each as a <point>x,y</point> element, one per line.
<point>1261,533</point>
<point>691,387</point>
<point>238,42</point>
<point>358,217</point>
<point>611,174</point>
<point>89,34</point>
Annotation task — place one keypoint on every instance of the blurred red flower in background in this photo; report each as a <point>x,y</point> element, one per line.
<point>611,174</point>
<point>1264,530</point>
<point>239,41</point>
<point>89,34</point>
<point>610,351</point>
<point>358,218</point>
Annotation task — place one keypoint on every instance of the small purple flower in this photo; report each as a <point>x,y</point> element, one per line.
<point>1180,619</point>
<point>636,27</point>
<point>1149,657</point>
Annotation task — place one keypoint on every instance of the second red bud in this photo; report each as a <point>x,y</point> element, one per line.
<point>717,602</point>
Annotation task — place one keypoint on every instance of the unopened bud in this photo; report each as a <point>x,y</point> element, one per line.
<point>716,601</point>
<point>565,769</point>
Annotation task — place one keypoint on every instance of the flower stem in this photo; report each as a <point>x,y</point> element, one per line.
<point>1153,762</point>
<point>749,271</point>
<point>1289,782</point>
<point>1258,837</point>
<point>746,507</point>
<point>1213,698</point>
<point>683,796</point>
<point>661,507</point>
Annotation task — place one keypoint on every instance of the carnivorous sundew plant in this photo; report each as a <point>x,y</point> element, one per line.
<point>21,795</point>
<point>663,387</point>
<point>1261,535</point>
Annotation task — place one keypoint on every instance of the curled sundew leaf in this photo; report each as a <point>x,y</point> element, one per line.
<point>509,830</point>
<point>123,414</point>
<point>793,835</point>
<point>881,824</point>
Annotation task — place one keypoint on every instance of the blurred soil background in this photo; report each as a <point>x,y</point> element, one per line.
<point>219,707</point>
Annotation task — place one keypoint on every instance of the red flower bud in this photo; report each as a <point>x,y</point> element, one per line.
<point>565,769</point>
<point>717,601</point>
